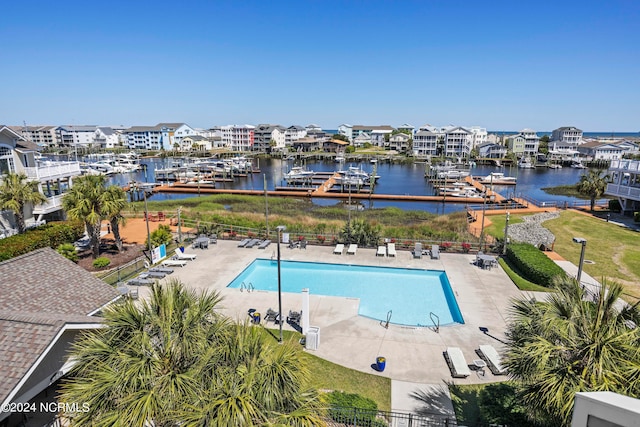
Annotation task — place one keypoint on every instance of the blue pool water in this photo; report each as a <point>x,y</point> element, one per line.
<point>410,294</point>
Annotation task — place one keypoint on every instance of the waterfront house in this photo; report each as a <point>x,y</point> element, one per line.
<point>491,150</point>
<point>567,134</point>
<point>478,135</point>
<point>18,155</point>
<point>335,146</point>
<point>407,128</point>
<point>457,141</point>
<point>601,151</point>
<point>47,302</point>
<point>294,133</point>
<point>163,136</point>
<point>524,144</point>
<point>425,143</point>
<point>399,142</point>
<point>362,139</point>
<point>306,144</point>
<point>106,137</point>
<point>236,137</point>
<point>380,131</point>
<point>44,136</point>
<point>346,130</point>
<point>197,143</point>
<point>625,184</point>
<point>75,136</point>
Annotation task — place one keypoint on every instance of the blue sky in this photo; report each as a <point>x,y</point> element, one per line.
<point>497,64</point>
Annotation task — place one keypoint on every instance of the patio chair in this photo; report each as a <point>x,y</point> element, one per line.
<point>382,251</point>
<point>417,250</point>
<point>161,216</point>
<point>271,316</point>
<point>294,317</point>
<point>293,245</point>
<point>264,244</point>
<point>339,249</point>
<point>303,244</point>
<point>456,362</point>
<point>493,359</point>
<point>182,256</point>
<point>391,249</point>
<point>213,239</point>
<point>352,249</point>
<point>435,252</point>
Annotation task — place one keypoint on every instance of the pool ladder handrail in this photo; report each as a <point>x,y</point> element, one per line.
<point>436,323</point>
<point>248,287</point>
<point>386,325</point>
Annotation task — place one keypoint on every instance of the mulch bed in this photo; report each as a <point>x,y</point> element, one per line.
<point>108,250</point>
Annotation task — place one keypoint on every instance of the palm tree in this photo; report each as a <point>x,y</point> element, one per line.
<point>114,201</point>
<point>83,202</point>
<point>593,185</point>
<point>573,341</point>
<point>15,192</point>
<point>176,361</point>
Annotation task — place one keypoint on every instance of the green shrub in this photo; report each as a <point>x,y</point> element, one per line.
<point>533,264</point>
<point>636,216</point>
<point>161,236</point>
<point>101,262</point>
<point>52,234</point>
<point>68,251</point>
<point>347,407</point>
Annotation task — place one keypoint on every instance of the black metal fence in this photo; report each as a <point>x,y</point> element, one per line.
<point>358,417</point>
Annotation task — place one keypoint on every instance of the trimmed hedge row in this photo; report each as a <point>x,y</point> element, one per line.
<point>52,234</point>
<point>533,264</point>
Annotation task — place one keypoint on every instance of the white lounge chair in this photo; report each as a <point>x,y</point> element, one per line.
<point>382,251</point>
<point>352,249</point>
<point>493,359</point>
<point>391,249</point>
<point>339,249</point>
<point>435,252</point>
<point>184,256</point>
<point>174,263</point>
<point>457,363</point>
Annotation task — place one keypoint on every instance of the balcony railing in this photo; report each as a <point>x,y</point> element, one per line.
<point>623,191</point>
<point>625,165</point>
<point>53,171</point>
<point>51,205</point>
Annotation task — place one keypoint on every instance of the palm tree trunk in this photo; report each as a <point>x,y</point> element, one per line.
<point>115,228</point>
<point>19,215</point>
<point>593,203</point>
<point>94,234</point>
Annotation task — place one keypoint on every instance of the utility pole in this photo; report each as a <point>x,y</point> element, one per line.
<point>179,226</point>
<point>506,236</point>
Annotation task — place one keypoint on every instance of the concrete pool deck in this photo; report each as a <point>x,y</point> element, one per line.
<point>414,354</point>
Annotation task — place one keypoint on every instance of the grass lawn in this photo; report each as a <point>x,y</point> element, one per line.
<point>611,252</point>
<point>329,376</point>
<point>496,229</point>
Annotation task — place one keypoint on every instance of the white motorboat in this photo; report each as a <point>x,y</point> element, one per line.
<point>578,165</point>
<point>525,163</point>
<point>453,174</point>
<point>298,173</point>
<point>497,178</point>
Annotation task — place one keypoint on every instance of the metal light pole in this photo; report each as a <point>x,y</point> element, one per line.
<point>280,229</point>
<point>506,236</point>
<point>583,242</point>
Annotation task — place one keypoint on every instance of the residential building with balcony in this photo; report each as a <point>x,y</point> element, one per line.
<point>44,136</point>
<point>268,138</point>
<point>399,142</point>
<point>601,150</point>
<point>18,155</point>
<point>491,150</point>
<point>567,134</point>
<point>346,130</point>
<point>479,135</point>
<point>236,137</point>
<point>457,141</point>
<point>525,143</point>
<point>163,136</point>
<point>371,130</point>
<point>75,136</point>
<point>409,129</point>
<point>106,137</point>
<point>425,143</point>
<point>625,184</point>
<point>294,133</point>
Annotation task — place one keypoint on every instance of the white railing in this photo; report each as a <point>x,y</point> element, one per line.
<point>54,170</point>
<point>624,191</point>
<point>51,205</point>
<point>625,165</point>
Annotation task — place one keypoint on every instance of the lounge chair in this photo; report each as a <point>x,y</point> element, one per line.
<point>435,252</point>
<point>252,243</point>
<point>391,249</point>
<point>303,244</point>
<point>213,239</point>
<point>294,317</point>
<point>417,250</point>
<point>457,363</point>
<point>264,244</point>
<point>493,359</point>
<point>339,249</point>
<point>128,292</point>
<point>272,316</point>
<point>140,282</point>
<point>352,249</point>
<point>382,251</point>
<point>184,256</point>
<point>174,263</point>
<point>243,243</point>
<point>164,270</point>
<point>153,275</point>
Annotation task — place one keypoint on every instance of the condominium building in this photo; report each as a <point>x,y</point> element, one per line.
<point>295,132</point>
<point>425,142</point>
<point>457,141</point>
<point>268,138</point>
<point>44,136</point>
<point>236,137</point>
<point>163,136</point>
<point>75,136</point>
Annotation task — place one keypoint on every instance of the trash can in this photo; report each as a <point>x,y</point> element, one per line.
<point>182,249</point>
<point>312,340</point>
<point>381,362</point>
<point>256,318</point>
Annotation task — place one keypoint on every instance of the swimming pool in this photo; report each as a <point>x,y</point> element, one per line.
<point>411,294</point>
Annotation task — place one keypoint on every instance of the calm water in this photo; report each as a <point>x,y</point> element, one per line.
<point>395,179</point>
<point>410,294</point>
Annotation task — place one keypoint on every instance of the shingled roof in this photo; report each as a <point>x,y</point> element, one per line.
<point>42,294</point>
<point>46,282</point>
